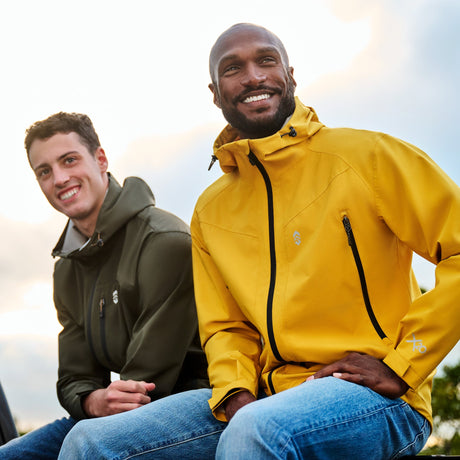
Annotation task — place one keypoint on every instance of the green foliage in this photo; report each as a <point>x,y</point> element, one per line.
<point>445,447</point>
<point>446,411</point>
<point>446,394</point>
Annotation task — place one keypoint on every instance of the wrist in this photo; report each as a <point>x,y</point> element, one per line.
<point>87,403</point>
<point>236,401</point>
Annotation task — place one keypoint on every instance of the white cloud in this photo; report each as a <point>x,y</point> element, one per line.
<point>28,377</point>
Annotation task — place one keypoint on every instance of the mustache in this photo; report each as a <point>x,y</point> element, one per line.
<point>248,91</point>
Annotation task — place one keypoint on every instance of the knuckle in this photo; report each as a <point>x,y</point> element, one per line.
<point>111,395</point>
<point>138,398</point>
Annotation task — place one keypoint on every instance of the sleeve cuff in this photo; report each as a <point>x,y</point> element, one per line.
<point>402,367</point>
<point>219,396</point>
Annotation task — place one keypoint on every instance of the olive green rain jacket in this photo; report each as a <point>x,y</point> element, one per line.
<point>302,254</point>
<point>125,301</point>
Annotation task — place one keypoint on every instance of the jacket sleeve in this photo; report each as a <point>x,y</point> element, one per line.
<point>79,373</point>
<point>421,205</point>
<point>164,331</point>
<point>161,324</point>
<point>231,344</point>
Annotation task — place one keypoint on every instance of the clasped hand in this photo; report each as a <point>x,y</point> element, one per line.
<point>119,396</point>
<point>367,371</point>
<point>357,368</point>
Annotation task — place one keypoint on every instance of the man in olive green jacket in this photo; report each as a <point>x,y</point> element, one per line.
<point>122,286</point>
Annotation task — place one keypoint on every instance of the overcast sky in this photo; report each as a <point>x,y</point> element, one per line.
<point>139,70</point>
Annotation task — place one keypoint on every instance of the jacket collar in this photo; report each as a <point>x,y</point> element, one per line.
<point>120,205</point>
<point>301,125</point>
<point>73,239</point>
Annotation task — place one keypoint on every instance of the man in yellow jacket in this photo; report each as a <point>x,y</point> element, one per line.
<point>319,342</point>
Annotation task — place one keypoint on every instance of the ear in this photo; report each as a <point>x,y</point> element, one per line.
<point>215,91</point>
<point>291,73</point>
<point>101,159</point>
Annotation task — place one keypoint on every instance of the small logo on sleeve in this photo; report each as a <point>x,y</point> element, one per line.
<point>417,344</point>
<point>115,296</point>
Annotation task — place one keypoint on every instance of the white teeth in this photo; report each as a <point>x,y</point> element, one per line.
<point>256,98</point>
<point>69,194</point>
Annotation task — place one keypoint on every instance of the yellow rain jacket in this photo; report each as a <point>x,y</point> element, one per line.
<point>302,254</point>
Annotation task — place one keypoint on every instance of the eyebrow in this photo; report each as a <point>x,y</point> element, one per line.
<point>61,157</point>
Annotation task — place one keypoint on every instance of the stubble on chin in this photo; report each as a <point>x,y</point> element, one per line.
<point>262,126</point>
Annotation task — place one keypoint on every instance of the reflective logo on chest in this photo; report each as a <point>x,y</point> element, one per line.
<point>297,238</point>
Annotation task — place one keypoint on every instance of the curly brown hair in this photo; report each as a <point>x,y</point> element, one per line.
<point>65,123</point>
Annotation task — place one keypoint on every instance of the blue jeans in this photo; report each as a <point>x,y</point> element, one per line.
<point>322,419</point>
<point>41,444</point>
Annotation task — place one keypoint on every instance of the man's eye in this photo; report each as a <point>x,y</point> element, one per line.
<point>42,173</point>
<point>230,68</point>
<point>69,160</point>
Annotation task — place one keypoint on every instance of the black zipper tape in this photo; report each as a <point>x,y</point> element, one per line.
<point>362,277</point>
<point>271,228</point>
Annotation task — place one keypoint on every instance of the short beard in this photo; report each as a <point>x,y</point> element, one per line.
<point>256,129</point>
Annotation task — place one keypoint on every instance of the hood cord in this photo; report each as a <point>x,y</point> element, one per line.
<point>100,242</point>
<point>292,132</point>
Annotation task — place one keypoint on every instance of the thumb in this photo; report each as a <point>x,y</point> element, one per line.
<point>149,386</point>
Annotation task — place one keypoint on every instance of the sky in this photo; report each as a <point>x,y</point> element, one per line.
<point>139,69</point>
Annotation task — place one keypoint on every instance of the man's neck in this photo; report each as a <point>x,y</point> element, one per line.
<point>86,227</point>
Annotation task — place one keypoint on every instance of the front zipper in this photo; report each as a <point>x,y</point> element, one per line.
<point>271,290</point>
<point>354,248</point>
<point>88,319</point>
<point>101,324</point>
<point>102,329</point>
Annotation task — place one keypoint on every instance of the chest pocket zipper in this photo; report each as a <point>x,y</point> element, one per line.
<point>102,329</point>
<point>354,248</point>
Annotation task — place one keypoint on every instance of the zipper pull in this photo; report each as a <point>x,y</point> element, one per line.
<point>213,160</point>
<point>101,307</point>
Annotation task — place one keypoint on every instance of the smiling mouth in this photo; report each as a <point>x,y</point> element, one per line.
<point>259,97</point>
<point>69,194</point>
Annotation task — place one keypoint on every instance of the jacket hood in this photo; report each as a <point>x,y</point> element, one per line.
<point>120,205</point>
<point>303,124</point>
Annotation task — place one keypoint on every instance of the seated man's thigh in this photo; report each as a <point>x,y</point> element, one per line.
<point>323,418</point>
<point>41,444</point>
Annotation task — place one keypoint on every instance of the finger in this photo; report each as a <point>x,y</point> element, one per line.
<point>354,378</point>
<point>325,371</point>
<point>363,379</point>
<point>129,386</point>
<point>148,386</point>
<point>140,387</point>
<point>339,367</point>
<point>127,397</point>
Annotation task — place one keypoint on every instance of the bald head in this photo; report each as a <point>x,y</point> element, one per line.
<point>237,30</point>
<point>252,82</point>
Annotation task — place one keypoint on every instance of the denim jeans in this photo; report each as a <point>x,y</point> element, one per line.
<point>179,427</point>
<point>41,444</point>
<point>321,419</point>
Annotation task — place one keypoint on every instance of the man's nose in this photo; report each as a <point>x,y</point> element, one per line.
<point>253,76</point>
<point>61,176</point>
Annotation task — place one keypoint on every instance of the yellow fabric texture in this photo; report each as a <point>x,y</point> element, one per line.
<point>397,201</point>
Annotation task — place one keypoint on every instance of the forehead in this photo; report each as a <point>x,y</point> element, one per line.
<point>46,150</point>
<point>243,41</point>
